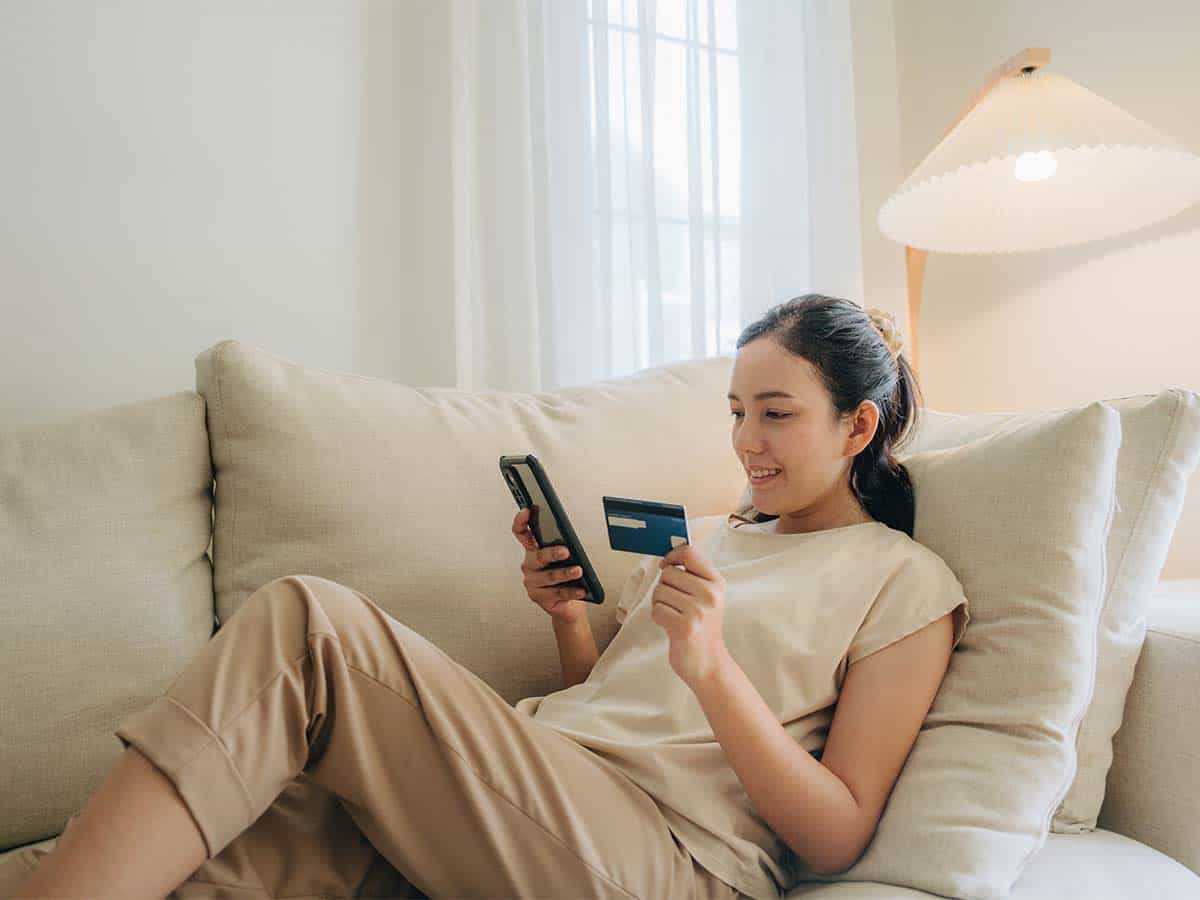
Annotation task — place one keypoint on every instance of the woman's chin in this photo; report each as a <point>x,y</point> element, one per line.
<point>763,500</point>
<point>765,490</point>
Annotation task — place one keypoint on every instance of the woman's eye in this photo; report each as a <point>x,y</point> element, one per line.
<point>771,412</point>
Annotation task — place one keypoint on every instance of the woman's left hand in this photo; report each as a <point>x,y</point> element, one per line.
<point>689,603</point>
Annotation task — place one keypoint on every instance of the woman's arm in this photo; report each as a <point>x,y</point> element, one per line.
<point>827,811</point>
<point>577,650</point>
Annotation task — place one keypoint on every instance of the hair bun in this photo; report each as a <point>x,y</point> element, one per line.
<point>885,324</point>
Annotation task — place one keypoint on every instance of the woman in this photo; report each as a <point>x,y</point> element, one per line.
<point>743,728</point>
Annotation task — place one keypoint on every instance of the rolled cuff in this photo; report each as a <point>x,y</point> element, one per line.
<point>197,763</point>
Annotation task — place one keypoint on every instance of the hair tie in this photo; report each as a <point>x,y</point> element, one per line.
<point>885,324</point>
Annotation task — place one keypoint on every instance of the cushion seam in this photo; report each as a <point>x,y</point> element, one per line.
<point>232,531</point>
<point>1178,637</point>
<point>1118,575</point>
<point>1075,727</point>
<point>1167,447</point>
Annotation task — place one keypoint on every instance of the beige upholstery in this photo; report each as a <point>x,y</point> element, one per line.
<point>114,533</point>
<point>1153,790</point>
<point>105,595</point>
<point>396,491</point>
<point>1160,448</point>
<point>1098,866</point>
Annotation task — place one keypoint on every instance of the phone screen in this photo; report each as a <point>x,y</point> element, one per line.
<point>541,518</point>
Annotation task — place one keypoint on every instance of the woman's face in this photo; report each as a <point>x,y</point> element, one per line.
<point>797,434</point>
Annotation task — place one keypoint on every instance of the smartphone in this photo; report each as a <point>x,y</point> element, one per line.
<point>530,486</point>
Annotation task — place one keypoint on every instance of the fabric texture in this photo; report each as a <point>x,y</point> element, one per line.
<point>1153,794</point>
<point>397,490</point>
<point>1160,449</point>
<point>799,609</point>
<point>324,748</point>
<point>105,595</point>
<point>1021,517</point>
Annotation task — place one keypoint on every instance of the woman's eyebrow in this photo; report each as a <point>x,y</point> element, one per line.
<point>763,395</point>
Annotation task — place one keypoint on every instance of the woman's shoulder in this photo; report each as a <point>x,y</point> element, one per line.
<point>923,560</point>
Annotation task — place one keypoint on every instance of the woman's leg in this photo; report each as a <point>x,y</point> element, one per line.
<point>461,794</point>
<point>133,838</point>
<point>125,840</point>
<point>304,845</point>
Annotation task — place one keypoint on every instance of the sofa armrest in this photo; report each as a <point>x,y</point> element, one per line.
<point>1153,789</point>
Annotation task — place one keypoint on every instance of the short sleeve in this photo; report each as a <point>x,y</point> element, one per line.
<point>635,584</point>
<point>921,589</point>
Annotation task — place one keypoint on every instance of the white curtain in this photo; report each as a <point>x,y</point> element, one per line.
<point>630,192</point>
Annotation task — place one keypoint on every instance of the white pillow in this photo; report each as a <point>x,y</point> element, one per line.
<point>1020,516</point>
<point>1160,447</point>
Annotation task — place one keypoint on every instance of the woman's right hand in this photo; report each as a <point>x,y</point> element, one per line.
<point>545,586</point>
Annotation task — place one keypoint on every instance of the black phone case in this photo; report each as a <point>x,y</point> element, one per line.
<point>577,555</point>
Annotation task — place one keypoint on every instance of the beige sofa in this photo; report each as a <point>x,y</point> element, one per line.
<point>128,533</point>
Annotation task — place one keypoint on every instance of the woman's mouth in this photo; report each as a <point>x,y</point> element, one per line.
<point>768,479</point>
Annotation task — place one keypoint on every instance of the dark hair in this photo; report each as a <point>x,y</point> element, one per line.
<point>855,364</point>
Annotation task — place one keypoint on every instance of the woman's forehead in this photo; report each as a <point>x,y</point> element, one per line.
<point>754,373</point>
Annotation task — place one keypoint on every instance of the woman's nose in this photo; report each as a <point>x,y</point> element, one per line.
<point>747,446</point>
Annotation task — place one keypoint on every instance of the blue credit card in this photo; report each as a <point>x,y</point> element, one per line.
<point>645,526</point>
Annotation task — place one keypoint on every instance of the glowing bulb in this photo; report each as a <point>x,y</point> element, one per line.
<point>1031,166</point>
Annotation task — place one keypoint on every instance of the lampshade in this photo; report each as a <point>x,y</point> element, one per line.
<point>1040,162</point>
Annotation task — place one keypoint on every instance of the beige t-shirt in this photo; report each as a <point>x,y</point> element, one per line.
<point>799,609</point>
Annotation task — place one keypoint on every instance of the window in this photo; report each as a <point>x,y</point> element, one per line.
<point>666,182</point>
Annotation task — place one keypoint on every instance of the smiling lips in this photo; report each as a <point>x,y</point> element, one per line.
<point>765,479</point>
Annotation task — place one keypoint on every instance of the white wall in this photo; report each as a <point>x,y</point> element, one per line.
<point>173,174</point>
<point>877,116</point>
<point>1114,318</point>
<point>407,267</point>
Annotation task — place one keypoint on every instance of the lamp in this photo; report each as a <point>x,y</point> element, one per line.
<point>1034,161</point>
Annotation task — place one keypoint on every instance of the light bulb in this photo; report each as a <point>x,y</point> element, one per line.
<point>1035,166</point>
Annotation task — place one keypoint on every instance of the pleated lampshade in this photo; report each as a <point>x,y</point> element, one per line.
<point>1040,162</point>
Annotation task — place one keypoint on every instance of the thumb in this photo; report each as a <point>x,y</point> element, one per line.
<point>527,540</point>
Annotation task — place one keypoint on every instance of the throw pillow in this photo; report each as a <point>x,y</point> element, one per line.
<point>1160,448</point>
<point>1020,516</point>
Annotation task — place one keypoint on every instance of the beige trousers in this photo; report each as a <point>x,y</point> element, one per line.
<point>325,749</point>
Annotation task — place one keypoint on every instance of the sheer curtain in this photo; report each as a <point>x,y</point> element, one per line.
<point>634,181</point>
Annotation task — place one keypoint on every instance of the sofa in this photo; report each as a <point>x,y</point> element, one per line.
<point>129,534</point>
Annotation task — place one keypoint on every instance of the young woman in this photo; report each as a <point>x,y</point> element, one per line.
<point>743,729</point>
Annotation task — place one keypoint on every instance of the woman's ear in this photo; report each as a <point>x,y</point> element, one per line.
<point>862,427</point>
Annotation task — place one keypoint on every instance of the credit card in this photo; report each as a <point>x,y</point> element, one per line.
<point>645,526</point>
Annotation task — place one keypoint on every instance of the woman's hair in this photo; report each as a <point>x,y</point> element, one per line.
<point>855,364</point>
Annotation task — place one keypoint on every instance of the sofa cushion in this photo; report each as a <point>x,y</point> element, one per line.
<point>1100,864</point>
<point>1153,790</point>
<point>1020,516</point>
<point>397,492</point>
<point>106,594</point>
<point>1160,448</point>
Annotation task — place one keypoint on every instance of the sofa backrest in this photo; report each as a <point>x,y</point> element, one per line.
<point>396,491</point>
<point>106,592</point>
<point>108,529</point>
